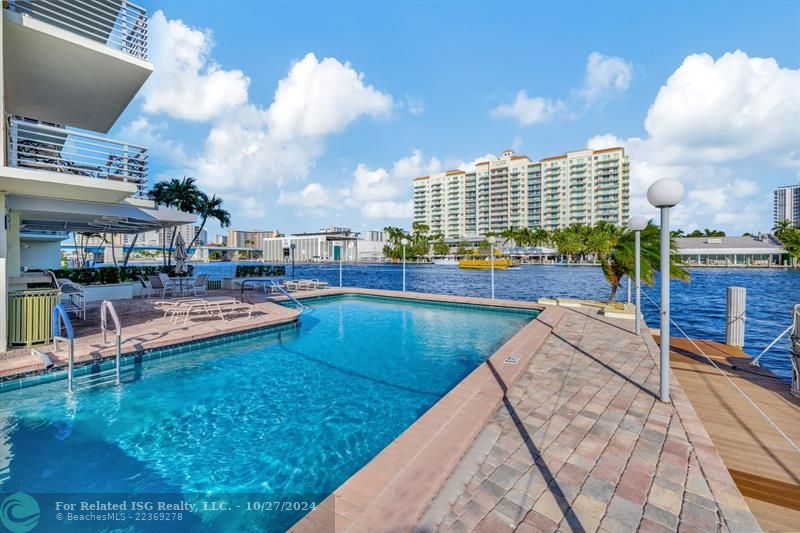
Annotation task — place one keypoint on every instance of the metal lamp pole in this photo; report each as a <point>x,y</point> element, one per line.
<point>664,194</point>
<point>292,247</point>
<point>492,239</point>
<point>404,242</point>
<point>341,253</point>
<point>637,224</point>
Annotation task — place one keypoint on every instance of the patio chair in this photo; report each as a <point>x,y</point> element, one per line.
<point>76,295</point>
<point>147,288</point>
<point>157,284</point>
<point>199,285</point>
<point>167,282</point>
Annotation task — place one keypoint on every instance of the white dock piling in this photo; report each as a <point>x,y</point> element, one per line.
<point>735,316</point>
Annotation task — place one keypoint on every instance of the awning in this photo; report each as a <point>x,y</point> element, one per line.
<point>48,214</point>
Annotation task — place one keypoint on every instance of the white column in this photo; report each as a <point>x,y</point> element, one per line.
<point>637,311</point>
<point>665,340</point>
<point>13,253</point>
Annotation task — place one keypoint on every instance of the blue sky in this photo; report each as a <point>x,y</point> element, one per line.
<point>434,80</point>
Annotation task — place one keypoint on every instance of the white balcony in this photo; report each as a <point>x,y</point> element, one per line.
<point>78,63</point>
<point>62,162</point>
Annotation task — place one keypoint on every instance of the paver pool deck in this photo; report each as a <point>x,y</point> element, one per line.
<point>575,440</point>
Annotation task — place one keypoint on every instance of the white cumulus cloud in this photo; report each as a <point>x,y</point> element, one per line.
<point>250,146</point>
<point>604,76</point>
<point>186,83</point>
<point>320,97</point>
<point>388,209</point>
<point>378,193</point>
<point>724,127</point>
<point>529,110</point>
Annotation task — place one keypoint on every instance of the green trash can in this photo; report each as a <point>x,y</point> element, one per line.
<point>30,313</point>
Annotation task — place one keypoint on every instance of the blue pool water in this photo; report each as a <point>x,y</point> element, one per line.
<point>698,306</point>
<point>295,412</point>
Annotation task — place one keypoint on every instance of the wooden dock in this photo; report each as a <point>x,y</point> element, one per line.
<point>763,464</point>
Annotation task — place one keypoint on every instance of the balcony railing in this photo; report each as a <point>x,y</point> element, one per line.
<point>118,24</point>
<point>52,148</point>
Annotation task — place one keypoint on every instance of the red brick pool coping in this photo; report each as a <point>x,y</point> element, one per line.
<point>398,484</point>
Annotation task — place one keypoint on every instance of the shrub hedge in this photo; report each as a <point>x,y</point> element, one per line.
<point>111,274</point>
<point>251,271</point>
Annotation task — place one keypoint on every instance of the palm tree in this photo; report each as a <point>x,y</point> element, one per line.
<point>600,239</point>
<point>183,195</point>
<point>620,260</point>
<point>441,248</point>
<point>206,208</point>
<point>781,226</point>
<point>393,248</point>
<point>508,234</point>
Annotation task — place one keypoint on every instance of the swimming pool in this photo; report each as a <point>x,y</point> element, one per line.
<point>295,412</point>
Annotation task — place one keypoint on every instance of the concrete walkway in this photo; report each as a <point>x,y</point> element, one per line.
<point>581,443</point>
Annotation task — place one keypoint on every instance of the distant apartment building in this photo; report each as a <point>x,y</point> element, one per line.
<point>331,243</point>
<point>584,186</point>
<point>220,240</point>
<point>249,239</point>
<point>155,239</point>
<point>787,204</point>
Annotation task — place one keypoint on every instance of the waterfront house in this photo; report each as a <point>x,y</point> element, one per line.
<point>68,71</point>
<point>761,250</point>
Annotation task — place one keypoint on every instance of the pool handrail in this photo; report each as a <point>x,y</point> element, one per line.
<point>105,308</point>
<point>108,308</point>
<point>60,316</point>
<point>286,293</point>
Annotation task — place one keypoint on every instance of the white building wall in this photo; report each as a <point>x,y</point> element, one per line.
<point>40,254</point>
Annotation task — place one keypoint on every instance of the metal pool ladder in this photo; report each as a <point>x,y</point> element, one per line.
<point>286,293</point>
<point>107,308</point>
<point>60,317</point>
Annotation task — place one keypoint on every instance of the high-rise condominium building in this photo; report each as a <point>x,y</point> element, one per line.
<point>787,204</point>
<point>584,186</point>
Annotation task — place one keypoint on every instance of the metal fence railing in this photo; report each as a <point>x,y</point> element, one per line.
<point>118,24</point>
<point>53,148</point>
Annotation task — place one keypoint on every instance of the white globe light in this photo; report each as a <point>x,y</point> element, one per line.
<point>637,223</point>
<point>404,241</point>
<point>667,192</point>
<point>492,239</point>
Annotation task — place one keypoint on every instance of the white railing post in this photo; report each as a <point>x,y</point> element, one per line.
<point>125,42</point>
<point>125,162</point>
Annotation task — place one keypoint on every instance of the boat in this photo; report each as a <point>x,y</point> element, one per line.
<point>446,261</point>
<point>485,263</point>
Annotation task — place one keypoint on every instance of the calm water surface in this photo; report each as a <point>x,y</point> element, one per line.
<point>698,306</point>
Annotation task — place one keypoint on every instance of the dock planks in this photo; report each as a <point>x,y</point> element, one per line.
<point>764,466</point>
